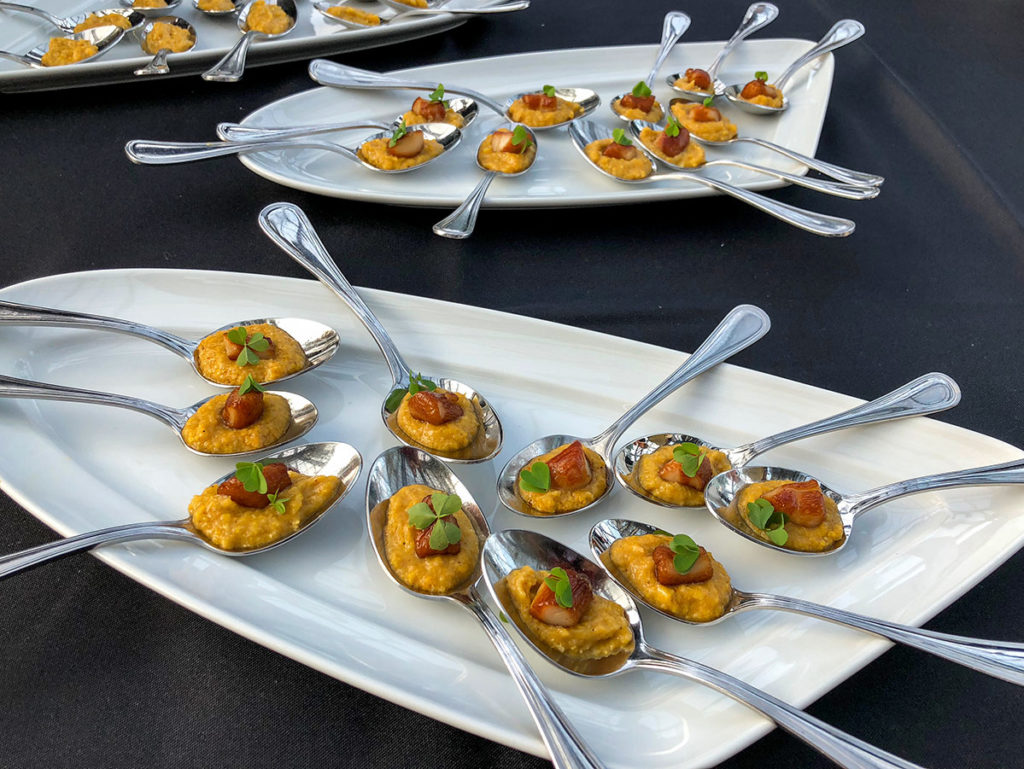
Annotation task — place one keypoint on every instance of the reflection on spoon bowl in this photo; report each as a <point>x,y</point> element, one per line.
<point>585,99</point>
<point>155,10</point>
<point>217,7</point>
<point>230,68</point>
<point>67,24</point>
<point>103,38</point>
<point>336,459</point>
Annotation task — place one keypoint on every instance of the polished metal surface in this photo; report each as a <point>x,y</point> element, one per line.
<point>303,413</point>
<point>235,5</point>
<point>843,32</point>
<point>402,11</point>
<point>104,38</point>
<point>509,550</point>
<point>673,27</point>
<point>740,328</point>
<point>928,394</point>
<point>287,225</point>
<point>459,224</point>
<point>318,342</point>
<point>161,11</point>
<point>1003,660</point>
<point>68,23</point>
<point>584,132</point>
<point>587,99</point>
<point>403,466</point>
<point>231,68</point>
<point>158,65</point>
<point>338,459</point>
<point>758,15</point>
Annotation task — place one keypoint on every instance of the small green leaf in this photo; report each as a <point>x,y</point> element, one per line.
<point>709,101</point>
<point>779,536</point>
<point>558,581</point>
<point>690,456</point>
<point>502,617</point>
<point>641,89</point>
<point>251,476</point>
<point>445,504</point>
<point>258,342</point>
<point>536,478</point>
<point>401,131</point>
<point>418,382</point>
<point>520,135</point>
<point>452,532</point>
<point>687,552</point>
<point>438,93</point>
<point>277,503</point>
<point>619,135</point>
<point>250,385</point>
<point>238,335</point>
<point>761,75</point>
<point>672,126</point>
<point>421,516</point>
<point>247,357</point>
<point>549,90</point>
<point>395,399</point>
<point>764,516</point>
<point>438,540</point>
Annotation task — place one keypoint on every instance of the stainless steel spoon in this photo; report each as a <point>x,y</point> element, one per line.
<point>509,550</point>
<point>158,65</point>
<point>232,66</point>
<point>824,186</point>
<point>454,7</point>
<point>403,466</point>
<point>460,223</point>
<point>1003,660</point>
<point>584,132</point>
<point>289,228</point>
<point>235,5</point>
<point>339,76</point>
<point>156,11</point>
<point>757,16</point>
<point>743,326</point>
<point>928,394</point>
<point>104,38</point>
<point>721,492</point>
<point>338,459</point>
<point>68,23</point>
<point>318,342</point>
<point>303,413</point>
<point>842,33</point>
<point>675,24</point>
<point>148,152</point>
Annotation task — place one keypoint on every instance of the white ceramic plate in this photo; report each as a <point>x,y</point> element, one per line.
<point>560,176</point>
<point>313,36</point>
<point>323,601</point>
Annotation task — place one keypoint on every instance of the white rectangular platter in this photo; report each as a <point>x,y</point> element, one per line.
<point>560,176</point>
<point>313,35</point>
<point>322,599</point>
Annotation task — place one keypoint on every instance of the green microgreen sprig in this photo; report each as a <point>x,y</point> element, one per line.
<point>764,516</point>
<point>761,75</point>
<point>559,583</point>
<point>277,503</point>
<point>401,131</point>
<point>437,95</point>
<point>250,345</point>
<point>690,456</point>
<point>250,385</point>
<point>641,89</point>
<point>672,126</point>
<point>687,552</point>
<point>619,136</point>
<point>520,135</point>
<point>252,478</point>
<point>417,382</point>
<point>709,101</point>
<point>536,478</point>
<point>549,90</point>
<point>445,532</point>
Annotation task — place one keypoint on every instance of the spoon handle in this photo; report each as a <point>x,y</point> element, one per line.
<point>157,65</point>
<point>234,132</point>
<point>459,223</point>
<point>19,59</point>
<point>11,387</point>
<point>758,15</point>
<point>54,20</point>
<point>843,31</point>
<point>927,394</point>
<point>824,186</point>
<point>743,326</point>
<point>838,173</point>
<point>232,66</point>
<point>155,153</point>
<point>289,227</point>
<point>516,5</point>
<point>676,23</point>
<point>565,746</point>
<point>13,313</point>
<point>994,658</point>
<point>35,556</point>
<point>838,746</point>
<point>333,74</point>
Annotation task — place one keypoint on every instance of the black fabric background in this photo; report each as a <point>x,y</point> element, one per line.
<point>98,671</point>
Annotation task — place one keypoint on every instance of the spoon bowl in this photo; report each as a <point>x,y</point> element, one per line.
<point>104,38</point>
<point>673,27</point>
<point>235,5</point>
<point>160,11</point>
<point>158,66</point>
<point>337,459</point>
<point>67,24</point>
<point>291,230</point>
<point>230,68</point>
<point>401,11</point>
<point>587,99</point>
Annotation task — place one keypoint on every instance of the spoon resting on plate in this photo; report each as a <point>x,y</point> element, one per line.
<point>101,38</point>
<point>642,104</point>
<point>365,20</point>
<point>68,24</point>
<point>231,68</point>
<point>158,65</point>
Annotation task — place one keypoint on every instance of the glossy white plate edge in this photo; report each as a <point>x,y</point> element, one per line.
<point>232,618</point>
<point>270,167</point>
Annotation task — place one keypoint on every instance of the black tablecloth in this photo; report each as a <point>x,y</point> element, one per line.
<point>98,671</point>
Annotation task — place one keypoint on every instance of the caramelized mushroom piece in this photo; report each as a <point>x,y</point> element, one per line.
<point>665,568</point>
<point>234,350</point>
<point>672,471</point>
<point>431,111</point>
<point>642,103</point>
<point>673,145</point>
<point>501,141</point>
<point>703,114</point>
<point>546,608</point>
<point>699,77</point>
<point>435,407</point>
<point>802,503</point>
<point>423,548</point>
<point>621,151</point>
<point>242,410</point>
<point>540,101</point>
<point>277,479</point>
<point>570,468</point>
<point>409,146</point>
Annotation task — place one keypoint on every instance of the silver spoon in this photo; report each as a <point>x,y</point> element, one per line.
<point>104,38</point>
<point>402,11</point>
<point>675,24</point>
<point>824,186</point>
<point>842,32</point>
<point>740,328</point>
<point>68,23</point>
<point>318,342</point>
<point>1003,660</point>
<point>230,68</point>
<point>507,551</point>
<point>839,173</point>
<point>233,132</point>
<point>585,132</point>
<point>235,5</point>
<point>289,228</point>
<point>158,65</point>
<point>338,459</point>
<point>927,394</point>
<point>459,223</point>
<point>758,15</point>
<point>402,466</point>
<point>721,492</point>
<point>337,75</point>
<point>303,413</point>
<point>157,11</point>
<point>149,152</point>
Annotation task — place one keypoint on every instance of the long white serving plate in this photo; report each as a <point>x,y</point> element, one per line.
<point>560,176</point>
<point>322,599</point>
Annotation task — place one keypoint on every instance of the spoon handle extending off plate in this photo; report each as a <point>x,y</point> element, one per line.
<point>460,222</point>
<point>234,132</point>
<point>566,747</point>
<point>845,750</point>
<point>675,24</point>
<point>19,59</point>
<point>995,658</point>
<point>515,5</point>
<point>35,556</point>
<point>758,15</point>
<point>157,65</point>
<point>824,186</point>
<point>843,32</point>
<point>231,68</point>
<point>28,315</point>
<point>155,153</point>
<point>839,173</point>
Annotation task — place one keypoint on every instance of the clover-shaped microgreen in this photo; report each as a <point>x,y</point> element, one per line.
<point>417,382</point>
<point>277,503</point>
<point>520,135</point>
<point>401,131</point>
<point>619,136</point>
<point>690,456</point>
<point>252,478</point>
<point>709,101</point>
<point>536,478</point>
<point>250,345</point>
<point>672,126</point>
<point>687,552</point>
<point>445,532</point>
<point>250,385</point>
<point>764,516</point>
<point>549,90</point>
<point>761,75</point>
<point>438,95</point>
<point>641,89</point>
<point>559,583</point>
